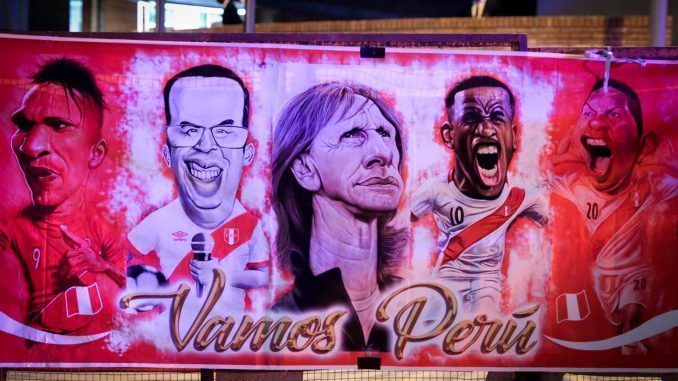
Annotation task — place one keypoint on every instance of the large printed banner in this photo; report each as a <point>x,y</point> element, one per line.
<point>261,206</point>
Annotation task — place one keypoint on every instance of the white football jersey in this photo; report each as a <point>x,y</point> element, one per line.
<point>163,240</point>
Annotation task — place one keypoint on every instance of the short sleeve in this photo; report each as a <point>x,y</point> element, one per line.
<point>422,200</point>
<point>665,187</point>
<point>537,209</point>
<point>112,242</point>
<point>563,185</point>
<point>258,248</point>
<point>141,237</point>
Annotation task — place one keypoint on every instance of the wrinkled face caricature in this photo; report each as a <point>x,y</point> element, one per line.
<point>608,135</point>
<point>356,160</point>
<point>207,146</point>
<point>482,135</point>
<point>56,143</point>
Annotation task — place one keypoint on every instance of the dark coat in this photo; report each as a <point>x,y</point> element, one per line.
<point>326,290</point>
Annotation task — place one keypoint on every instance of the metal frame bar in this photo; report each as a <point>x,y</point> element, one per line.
<point>517,42</point>
<point>646,53</point>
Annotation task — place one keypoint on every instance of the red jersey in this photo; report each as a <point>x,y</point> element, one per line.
<point>59,302</point>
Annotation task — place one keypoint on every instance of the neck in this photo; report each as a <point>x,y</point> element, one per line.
<point>208,218</point>
<point>615,189</point>
<point>465,186</point>
<point>340,239</point>
<point>64,212</point>
<point>461,181</point>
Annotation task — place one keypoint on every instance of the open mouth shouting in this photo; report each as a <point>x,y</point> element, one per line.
<point>487,163</point>
<point>599,154</point>
<point>203,172</point>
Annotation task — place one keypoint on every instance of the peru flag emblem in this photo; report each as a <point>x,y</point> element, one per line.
<point>232,236</point>
<point>84,300</point>
<point>573,307</point>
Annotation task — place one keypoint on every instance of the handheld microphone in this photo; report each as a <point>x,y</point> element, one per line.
<point>202,246</point>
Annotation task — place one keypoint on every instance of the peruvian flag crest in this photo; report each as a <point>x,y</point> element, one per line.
<point>232,236</point>
<point>83,300</point>
<point>573,307</point>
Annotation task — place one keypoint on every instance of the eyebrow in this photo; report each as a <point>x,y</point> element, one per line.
<point>607,110</point>
<point>385,128</point>
<point>224,122</point>
<point>50,120</point>
<point>19,118</point>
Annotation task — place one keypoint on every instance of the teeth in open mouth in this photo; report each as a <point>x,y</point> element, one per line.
<point>204,174</point>
<point>486,150</point>
<point>488,172</point>
<point>596,142</point>
<point>487,162</point>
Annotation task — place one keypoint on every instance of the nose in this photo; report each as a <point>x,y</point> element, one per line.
<point>36,142</point>
<point>378,151</point>
<point>485,129</point>
<point>597,122</point>
<point>206,142</point>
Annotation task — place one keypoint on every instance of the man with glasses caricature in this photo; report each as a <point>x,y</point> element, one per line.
<point>207,110</point>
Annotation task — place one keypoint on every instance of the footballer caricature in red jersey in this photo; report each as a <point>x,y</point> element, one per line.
<point>69,262</point>
<point>207,109</point>
<point>599,169</point>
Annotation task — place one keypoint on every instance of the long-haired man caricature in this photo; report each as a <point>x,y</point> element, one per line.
<point>336,186</point>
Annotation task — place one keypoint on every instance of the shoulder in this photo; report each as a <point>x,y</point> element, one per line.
<point>663,185</point>
<point>432,190</point>
<point>533,194</point>
<point>563,183</point>
<point>12,226</point>
<point>143,236</point>
<point>159,217</point>
<point>286,303</point>
<point>241,218</point>
<point>436,186</point>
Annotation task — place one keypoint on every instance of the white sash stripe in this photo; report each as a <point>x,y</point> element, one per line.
<point>13,327</point>
<point>84,302</point>
<point>652,327</point>
<point>572,307</point>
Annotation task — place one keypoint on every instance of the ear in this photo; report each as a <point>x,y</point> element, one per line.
<point>514,131</point>
<point>306,173</point>
<point>649,143</point>
<point>447,134</point>
<point>97,153</point>
<point>248,155</point>
<point>166,155</point>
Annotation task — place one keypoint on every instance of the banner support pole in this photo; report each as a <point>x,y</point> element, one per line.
<point>160,16</point>
<point>206,375</point>
<point>250,19</point>
<point>658,23</point>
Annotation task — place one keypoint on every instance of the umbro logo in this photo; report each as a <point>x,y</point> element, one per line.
<point>179,235</point>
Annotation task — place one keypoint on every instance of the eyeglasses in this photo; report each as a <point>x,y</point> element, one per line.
<point>188,135</point>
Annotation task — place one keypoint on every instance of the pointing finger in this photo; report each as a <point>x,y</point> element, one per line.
<point>71,238</point>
